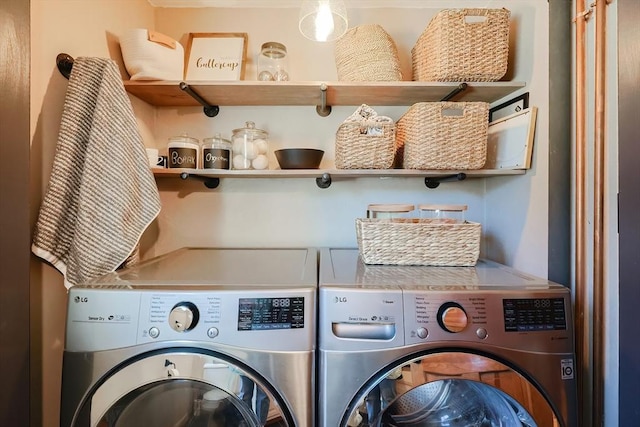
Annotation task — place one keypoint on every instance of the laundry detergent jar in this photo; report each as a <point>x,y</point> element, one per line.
<point>183,152</point>
<point>250,147</point>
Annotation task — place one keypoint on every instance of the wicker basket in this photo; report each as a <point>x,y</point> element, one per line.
<point>418,242</point>
<point>365,144</point>
<point>365,54</point>
<point>444,135</point>
<point>453,48</point>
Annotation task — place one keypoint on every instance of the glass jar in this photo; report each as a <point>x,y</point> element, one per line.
<point>183,152</point>
<point>273,64</point>
<point>216,153</point>
<point>443,213</point>
<point>389,211</point>
<point>250,148</point>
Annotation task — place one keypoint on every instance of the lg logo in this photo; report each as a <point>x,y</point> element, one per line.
<point>340,299</point>
<point>80,299</point>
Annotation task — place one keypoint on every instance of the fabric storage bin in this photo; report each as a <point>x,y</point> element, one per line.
<point>367,53</point>
<point>443,135</point>
<point>418,242</point>
<point>149,55</point>
<point>365,141</point>
<point>463,45</point>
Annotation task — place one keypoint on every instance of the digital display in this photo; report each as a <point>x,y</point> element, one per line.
<point>256,314</point>
<point>535,314</point>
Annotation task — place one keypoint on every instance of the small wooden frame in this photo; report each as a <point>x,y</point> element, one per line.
<point>215,56</point>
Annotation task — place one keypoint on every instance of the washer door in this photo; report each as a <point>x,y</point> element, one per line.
<point>451,389</point>
<point>182,390</point>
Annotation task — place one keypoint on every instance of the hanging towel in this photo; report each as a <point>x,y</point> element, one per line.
<point>102,194</point>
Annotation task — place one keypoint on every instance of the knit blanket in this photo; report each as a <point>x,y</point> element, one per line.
<point>101,194</point>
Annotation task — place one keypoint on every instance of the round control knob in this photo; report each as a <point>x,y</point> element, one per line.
<point>422,333</point>
<point>183,317</point>
<point>452,317</point>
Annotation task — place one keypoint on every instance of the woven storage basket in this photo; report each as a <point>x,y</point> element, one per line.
<point>444,135</point>
<point>365,54</point>
<point>418,242</point>
<point>365,144</point>
<point>453,48</point>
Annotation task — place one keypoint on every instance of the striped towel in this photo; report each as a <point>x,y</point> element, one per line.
<point>101,194</point>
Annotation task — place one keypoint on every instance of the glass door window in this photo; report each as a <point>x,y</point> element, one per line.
<point>451,389</point>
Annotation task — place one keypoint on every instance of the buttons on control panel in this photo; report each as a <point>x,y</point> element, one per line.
<point>482,333</point>
<point>422,333</point>
<point>154,332</point>
<point>212,332</point>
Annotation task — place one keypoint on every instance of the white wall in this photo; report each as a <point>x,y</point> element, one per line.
<point>274,212</point>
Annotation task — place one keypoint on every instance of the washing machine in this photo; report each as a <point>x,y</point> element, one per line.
<point>409,346</point>
<point>197,337</point>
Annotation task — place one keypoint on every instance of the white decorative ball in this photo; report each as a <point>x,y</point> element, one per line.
<point>265,76</point>
<point>249,150</point>
<point>239,162</point>
<point>260,162</point>
<point>281,76</point>
<point>261,145</point>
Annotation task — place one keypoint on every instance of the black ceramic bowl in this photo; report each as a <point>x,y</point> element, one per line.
<point>299,158</point>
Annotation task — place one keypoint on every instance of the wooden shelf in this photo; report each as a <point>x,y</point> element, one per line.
<point>254,93</point>
<point>324,177</point>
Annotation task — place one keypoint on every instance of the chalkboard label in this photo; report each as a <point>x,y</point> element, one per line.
<point>216,158</point>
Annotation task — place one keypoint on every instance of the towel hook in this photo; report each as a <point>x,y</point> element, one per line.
<point>65,64</point>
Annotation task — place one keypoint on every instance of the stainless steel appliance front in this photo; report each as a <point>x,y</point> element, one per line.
<point>442,346</point>
<point>198,337</point>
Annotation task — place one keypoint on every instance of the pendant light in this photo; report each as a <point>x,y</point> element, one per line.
<point>323,20</point>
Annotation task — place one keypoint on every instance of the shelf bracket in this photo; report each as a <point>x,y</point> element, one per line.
<point>324,181</point>
<point>434,182</point>
<point>65,64</point>
<point>323,109</point>
<point>209,110</point>
<point>211,182</point>
<point>460,88</point>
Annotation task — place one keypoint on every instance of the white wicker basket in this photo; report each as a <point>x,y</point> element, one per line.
<point>149,55</point>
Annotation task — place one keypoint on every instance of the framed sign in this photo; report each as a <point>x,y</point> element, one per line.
<point>216,56</point>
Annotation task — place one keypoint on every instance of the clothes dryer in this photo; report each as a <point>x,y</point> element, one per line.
<point>197,337</point>
<point>442,346</point>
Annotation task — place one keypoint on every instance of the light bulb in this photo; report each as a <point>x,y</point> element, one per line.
<point>324,22</point>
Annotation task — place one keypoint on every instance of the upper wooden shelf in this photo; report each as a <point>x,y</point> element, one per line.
<point>235,93</point>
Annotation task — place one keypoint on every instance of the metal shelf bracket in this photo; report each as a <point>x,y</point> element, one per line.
<point>323,109</point>
<point>434,182</point>
<point>324,181</point>
<point>209,110</point>
<point>460,88</point>
<point>211,182</point>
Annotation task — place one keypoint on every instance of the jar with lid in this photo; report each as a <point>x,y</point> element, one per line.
<point>273,64</point>
<point>216,153</point>
<point>443,213</point>
<point>183,152</point>
<point>250,148</point>
<point>389,211</point>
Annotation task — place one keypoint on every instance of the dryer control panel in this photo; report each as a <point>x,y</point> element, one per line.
<point>493,318</point>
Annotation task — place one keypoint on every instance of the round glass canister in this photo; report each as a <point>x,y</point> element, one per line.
<point>183,152</point>
<point>444,213</point>
<point>389,211</point>
<point>250,147</point>
<point>273,64</point>
<point>216,153</point>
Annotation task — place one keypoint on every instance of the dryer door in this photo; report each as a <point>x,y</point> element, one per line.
<point>178,389</point>
<point>451,389</point>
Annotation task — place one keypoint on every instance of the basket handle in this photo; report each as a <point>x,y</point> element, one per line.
<point>156,37</point>
<point>477,16</point>
<point>452,110</point>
